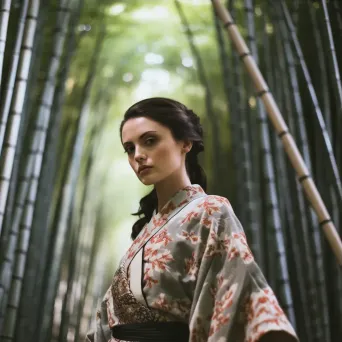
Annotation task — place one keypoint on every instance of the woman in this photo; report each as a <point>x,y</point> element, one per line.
<point>189,274</point>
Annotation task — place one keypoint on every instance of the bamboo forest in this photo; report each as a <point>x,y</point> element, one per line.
<point>265,78</point>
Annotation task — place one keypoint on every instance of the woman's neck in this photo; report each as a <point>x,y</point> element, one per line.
<point>168,187</point>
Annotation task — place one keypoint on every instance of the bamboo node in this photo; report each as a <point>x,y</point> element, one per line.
<point>261,93</point>
<point>228,23</point>
<point>302,178</point>
<point>282,133</point>
<point>322,223</point>
<point>31,17</point>
<point>242,56</point>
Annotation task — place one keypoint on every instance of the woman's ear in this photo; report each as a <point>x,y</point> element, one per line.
<point>187,145</point>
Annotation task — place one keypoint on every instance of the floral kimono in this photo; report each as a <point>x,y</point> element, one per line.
<point>191,263</point>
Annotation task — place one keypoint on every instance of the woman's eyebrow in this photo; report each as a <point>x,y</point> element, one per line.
<point>141,136</point>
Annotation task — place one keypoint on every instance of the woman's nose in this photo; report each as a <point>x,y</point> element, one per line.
<point>139,155</point>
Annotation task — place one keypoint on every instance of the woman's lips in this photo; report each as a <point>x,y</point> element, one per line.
<point>145,170</point>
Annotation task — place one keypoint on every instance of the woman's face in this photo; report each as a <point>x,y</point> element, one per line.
<point>153,153</point>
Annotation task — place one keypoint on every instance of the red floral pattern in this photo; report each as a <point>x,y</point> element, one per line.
<point>191,215</point>
<point>206,222</point>
<point>177,307</point>
<point>264,314</point>
<point>209,206</point>
<point>158,261</point>
<point>191,267</point>
<point>240,248</point>
<point>162,238</point>
<point>220,315</point>
<point>190,236</point>
<point>148,279</point>
<point>199,332</point>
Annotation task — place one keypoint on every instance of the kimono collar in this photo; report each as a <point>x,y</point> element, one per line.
<point>179,200</point>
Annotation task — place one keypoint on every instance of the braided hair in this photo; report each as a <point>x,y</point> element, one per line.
<point>184,124</point>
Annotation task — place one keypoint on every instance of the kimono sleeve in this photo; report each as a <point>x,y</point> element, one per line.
<point>232,300</point>
<point>102,332</point>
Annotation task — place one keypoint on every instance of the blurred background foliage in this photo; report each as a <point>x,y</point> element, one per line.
<point>70,69</point>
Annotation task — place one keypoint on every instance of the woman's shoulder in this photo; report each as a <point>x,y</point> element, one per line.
<point>215,201</point>
<point>222,201</point>
<point>218,210</point>
<point>214,206</point>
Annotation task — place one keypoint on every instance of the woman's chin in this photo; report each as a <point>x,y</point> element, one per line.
<point>151,178</point>
<point>147,180</point>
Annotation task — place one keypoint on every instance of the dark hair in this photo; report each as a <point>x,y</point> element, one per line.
<point>184,124</point>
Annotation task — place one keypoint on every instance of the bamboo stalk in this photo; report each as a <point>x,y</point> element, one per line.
<point>282,130</point>
<point>266,60</point>
<point>249,218</point>
<point>4,17</point>
<point>335,67</point>
<point>337,8</point>
<point>97,277</point>
<point>228,89</point>
<point>30,185</point>
<point>15,118</point>
<point>326,139</point>
<point>87,238</point>
<point>323,74</point>
<point>85,235</point>
<point>92,239</point>
<point>33,279</point>
<point>335,288</point>
<point>337,86</point>
<point>296,120</point>
<point>211,114</point>
<point>12,78</point>
<point>69,180</point>
<point>302,313</point>
<point>272,204</point>
<point>72,246</point>
<point>287,190</point>
<point>25,86</point>
<point>327,191</point>
<point>7,151</point>
<point>254,140</point>
<point>295,12</point>
<point>87,277</point>
<point>236,96</point>
<point>45,200</point>
<point>254,129</point>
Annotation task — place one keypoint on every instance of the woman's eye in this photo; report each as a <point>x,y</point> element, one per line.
<point>149,141</point>
<point>129,150</point>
